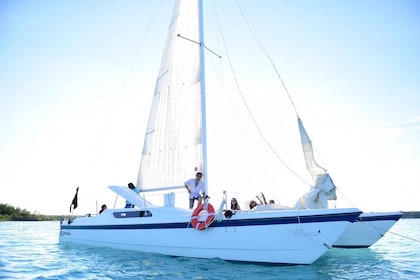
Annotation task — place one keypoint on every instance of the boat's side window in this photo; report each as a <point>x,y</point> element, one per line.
<point>133,214</point>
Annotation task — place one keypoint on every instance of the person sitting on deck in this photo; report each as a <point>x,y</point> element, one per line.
<point>234,204</point>
<point>103,208</point>
<point>252,204</point>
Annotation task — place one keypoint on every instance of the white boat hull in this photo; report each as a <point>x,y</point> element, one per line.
<point>367,230</point>
<point>274,236</point>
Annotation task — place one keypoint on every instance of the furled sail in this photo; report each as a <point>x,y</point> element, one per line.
<point>323,188</point>
<point>313,167</point>
<point>173,145</point>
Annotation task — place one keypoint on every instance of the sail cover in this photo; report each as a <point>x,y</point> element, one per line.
<point>173,145</point>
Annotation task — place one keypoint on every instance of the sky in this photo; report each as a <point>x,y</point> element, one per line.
<point>77,79</point>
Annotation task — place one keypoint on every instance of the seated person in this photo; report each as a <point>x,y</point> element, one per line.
<point>234,204</point>
<point>103,208</point>
<point>252,204</point>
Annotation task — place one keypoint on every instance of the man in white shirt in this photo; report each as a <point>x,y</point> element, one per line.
<point>195,186</point>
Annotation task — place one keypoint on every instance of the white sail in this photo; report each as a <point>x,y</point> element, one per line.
<point>323,188</point>
<point>173,144</point>
<point>313,167</point>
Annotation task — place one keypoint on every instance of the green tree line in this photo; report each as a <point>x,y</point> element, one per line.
<point>10,213</point>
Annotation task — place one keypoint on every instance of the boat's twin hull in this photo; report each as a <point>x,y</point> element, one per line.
<point>367,230</point>
<point>273,239</point>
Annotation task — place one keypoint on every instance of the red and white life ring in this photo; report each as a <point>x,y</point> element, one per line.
<point>203,224</point>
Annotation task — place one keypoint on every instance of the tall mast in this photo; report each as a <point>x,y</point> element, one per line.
<point>203,93</point>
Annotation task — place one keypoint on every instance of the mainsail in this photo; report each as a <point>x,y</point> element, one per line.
<point>173,145</point>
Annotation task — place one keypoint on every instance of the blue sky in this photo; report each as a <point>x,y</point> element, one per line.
<point>77,77</point>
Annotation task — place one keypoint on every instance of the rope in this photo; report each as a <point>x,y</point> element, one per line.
<point>307,235</point>
<point>397,234</point>
<point>403,236</point>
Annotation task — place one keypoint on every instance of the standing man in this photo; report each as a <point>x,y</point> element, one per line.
<point>195,187</point>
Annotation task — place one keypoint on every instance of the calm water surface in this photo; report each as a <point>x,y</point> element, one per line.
<point>30,250</point>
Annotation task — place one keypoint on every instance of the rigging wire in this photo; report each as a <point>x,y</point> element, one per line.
<point>264,49</point>
<point>123,84</point>
<point>133,62</point>
<point>130,69</point>
<point>220,75</point>
<point>246,103</point>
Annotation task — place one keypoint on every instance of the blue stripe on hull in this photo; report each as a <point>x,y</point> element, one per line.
<point>379,218</point>
<point>350,217</point>
<point>351,246</point>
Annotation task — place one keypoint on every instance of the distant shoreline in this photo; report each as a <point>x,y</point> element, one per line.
<point>10,213</point>
<point>405,215</point>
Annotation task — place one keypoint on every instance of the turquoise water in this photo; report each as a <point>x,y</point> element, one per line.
<point>30,250</point>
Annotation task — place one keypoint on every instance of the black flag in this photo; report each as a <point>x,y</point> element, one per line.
<point>74,202</point>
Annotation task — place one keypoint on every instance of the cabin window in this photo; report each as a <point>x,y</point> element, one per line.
<point>133,214</point>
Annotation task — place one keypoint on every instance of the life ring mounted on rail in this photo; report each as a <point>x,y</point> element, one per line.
<point>202,224</point>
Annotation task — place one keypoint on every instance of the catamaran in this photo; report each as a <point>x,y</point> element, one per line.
<point>175,144</point>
